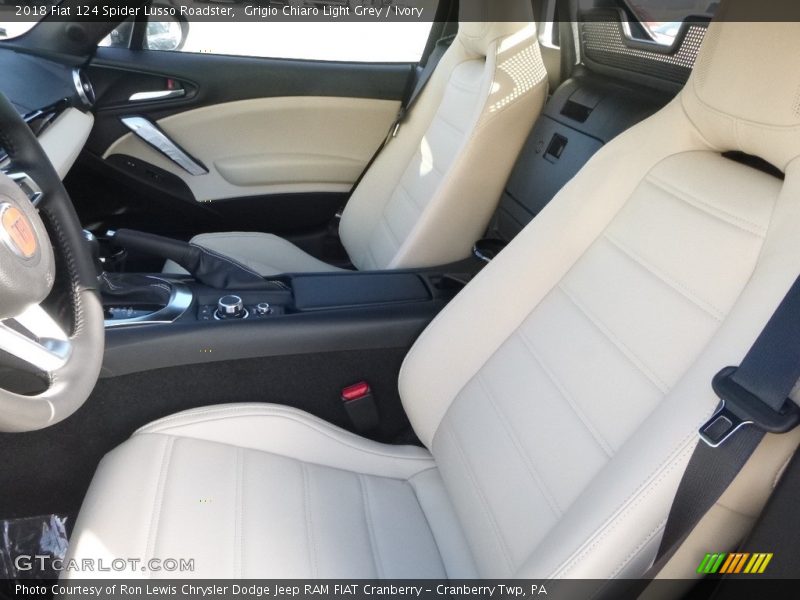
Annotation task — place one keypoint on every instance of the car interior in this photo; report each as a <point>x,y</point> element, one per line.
<point>475,316</point>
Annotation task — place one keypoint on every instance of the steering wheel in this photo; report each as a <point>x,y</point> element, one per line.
<point>44,259</point>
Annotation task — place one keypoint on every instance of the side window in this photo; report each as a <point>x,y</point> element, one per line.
<point>660,22</point>
<point>324,40</point>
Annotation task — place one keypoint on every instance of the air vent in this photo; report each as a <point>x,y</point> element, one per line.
<point>84,87</point>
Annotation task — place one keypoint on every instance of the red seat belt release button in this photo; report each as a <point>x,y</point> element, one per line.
<point>360,406</point>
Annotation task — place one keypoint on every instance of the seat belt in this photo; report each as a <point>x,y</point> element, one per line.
<point>768,372</point>
<point>565,16</point>
<point>754,399</point>
<point>773,540</point>
<point>420,81</point>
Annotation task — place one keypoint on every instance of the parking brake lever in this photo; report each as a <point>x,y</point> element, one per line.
<point>206,266</point>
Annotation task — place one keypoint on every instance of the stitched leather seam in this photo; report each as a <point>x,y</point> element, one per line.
<point>593,431</point>
<point>392,235</point>
<point>411,483</point>
<point>494,527</point>
<point>780,471</point>
<point>685,292</point>
<point>616,342</point>
<point>526,459</point>
<point>372,261</point>
<point>462,87</point>
<point>638,549</point>
<point>626,507</point>
<point>238,549</point>
<point>310,541</point>
<point>66,252</point>
<point>399,477</point>
<point>158,499</point>
<point>154,428</point>
<point>401,186</point>
<point>450,125</point>
<point>706,207</point>
<point>235,236</point>
<point>375,554</point>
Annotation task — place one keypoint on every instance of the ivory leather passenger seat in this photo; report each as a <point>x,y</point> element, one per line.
<point>431,191</point>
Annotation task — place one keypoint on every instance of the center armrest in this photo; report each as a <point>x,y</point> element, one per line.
<point>340,290</point>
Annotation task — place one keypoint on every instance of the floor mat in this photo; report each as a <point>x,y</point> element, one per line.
<point>32,548</point>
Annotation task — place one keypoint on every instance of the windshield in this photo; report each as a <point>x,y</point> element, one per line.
<point>21,16</point>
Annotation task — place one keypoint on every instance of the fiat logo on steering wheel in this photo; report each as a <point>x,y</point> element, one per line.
<point>17,232</point>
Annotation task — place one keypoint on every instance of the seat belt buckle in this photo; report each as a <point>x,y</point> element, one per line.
<point>360,406</point>
<point>740,407</point>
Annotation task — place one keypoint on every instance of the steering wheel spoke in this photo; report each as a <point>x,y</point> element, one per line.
<point>36,338</point>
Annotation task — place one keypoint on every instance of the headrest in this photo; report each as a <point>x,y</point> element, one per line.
<point>482,22</point>
<point>744,92</point>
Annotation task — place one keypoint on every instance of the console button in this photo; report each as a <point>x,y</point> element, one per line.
<point>263,308</point>
<point>231,307</point>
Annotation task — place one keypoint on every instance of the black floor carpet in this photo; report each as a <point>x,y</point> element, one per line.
<point>49,471</point>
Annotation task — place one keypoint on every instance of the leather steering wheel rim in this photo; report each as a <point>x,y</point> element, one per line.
<point>38,246</point>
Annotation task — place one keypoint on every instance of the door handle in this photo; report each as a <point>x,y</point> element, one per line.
<point>157,95</point>
<point>152,134</point>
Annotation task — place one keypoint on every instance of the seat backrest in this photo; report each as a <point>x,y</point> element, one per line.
<point>561,392</point>
<point>431,192</point>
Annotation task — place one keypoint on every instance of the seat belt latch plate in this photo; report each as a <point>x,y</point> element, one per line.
<point>739,407</point>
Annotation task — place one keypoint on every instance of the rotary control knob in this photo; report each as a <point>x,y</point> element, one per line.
<point>263,308</point>
<point>231,307</point>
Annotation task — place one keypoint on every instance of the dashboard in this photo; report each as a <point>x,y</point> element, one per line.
<point>54,98</point>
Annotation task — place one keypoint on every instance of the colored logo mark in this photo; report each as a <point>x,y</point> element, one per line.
<point>17,231</point>
<point>732,563</point>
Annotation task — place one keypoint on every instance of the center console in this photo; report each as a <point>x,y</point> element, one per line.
<point>156,321</point>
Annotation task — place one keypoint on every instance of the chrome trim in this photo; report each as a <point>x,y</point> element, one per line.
<point>84,89</point>
<point>179,302</point>
<point>657,46</point>
<point>157,95</point>
<point>245,315</point>
<point>736,423</point>
<point>28,185</point>
<point>480,255</point>
<point>151,134</point>
<point>50,347</point>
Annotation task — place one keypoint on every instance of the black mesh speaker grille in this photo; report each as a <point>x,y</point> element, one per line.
<point>604,42</point>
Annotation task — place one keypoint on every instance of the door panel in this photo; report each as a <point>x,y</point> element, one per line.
<point>283,140</point>
<point>270,146</point>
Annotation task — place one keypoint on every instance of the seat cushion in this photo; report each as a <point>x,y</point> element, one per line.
<point>264,253</point>
<point>267,491</point>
